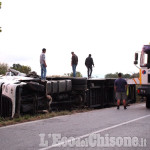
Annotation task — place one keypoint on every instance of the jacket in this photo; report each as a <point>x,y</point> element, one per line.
<point>74,60</point>
<point>89,62</point>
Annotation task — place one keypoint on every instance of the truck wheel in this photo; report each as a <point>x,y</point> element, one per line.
<point>61,86</point>
<point>79,87</point>
<point>79,81</point>
<point>34,86</point>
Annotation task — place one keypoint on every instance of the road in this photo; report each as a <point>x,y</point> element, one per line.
<point>107,128</point>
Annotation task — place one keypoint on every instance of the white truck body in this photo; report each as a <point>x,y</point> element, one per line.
<point>144,78</point>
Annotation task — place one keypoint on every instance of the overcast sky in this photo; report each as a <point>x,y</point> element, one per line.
<point>111,30</point>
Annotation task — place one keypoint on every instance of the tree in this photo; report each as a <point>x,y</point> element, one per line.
<point>126,75</point>
<point>115,75</point>
<point>111,75</point>
<point>21,68</point>
<point>78,74</point>
<point>67,74</point>
<point>135,75</point>
<point>3,68</point>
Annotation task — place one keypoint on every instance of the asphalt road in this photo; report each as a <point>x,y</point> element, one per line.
<point>99,129</point>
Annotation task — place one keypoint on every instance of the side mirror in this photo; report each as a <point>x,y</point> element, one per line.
<point>135,62</point>
<point>136,56</point>
<point>136,59</point>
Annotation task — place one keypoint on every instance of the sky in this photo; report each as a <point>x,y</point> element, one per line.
<point>110,30</point>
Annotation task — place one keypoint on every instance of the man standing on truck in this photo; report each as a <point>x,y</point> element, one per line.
<point>89,64</point>
<point>120,87</point>
<point>74,63</point>
<point>43,65</point>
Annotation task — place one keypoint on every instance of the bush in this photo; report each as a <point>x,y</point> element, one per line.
<point>21,68</point>
<point>78,74</point>
<point>3,68</point>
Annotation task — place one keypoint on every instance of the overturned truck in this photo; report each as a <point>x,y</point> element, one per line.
<point>22,95</point>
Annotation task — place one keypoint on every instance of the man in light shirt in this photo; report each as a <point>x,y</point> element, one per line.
<point>43,65</point>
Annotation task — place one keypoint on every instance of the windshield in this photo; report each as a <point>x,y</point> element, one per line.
<point>145,59</point>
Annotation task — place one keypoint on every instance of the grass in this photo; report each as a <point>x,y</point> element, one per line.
<point>27,118</point>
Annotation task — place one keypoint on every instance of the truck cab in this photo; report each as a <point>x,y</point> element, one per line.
<point>144,88</point>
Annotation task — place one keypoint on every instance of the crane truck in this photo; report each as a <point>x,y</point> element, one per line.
<point>144,73</point>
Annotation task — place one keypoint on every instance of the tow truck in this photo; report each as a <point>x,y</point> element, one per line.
<point>144,73</point>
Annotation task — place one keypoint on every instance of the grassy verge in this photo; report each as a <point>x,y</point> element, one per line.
<point>27,118</point>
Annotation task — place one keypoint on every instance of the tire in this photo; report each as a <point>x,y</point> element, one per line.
<point>79,81</point>
<point>48,88</point>
<point>69,85</point>
<point>34,86</point>
<point>54,87</point>
<point>61,86</point>
<point>79,87</point>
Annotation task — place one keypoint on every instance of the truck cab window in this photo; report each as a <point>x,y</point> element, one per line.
<point>145,59</point>
<point>148,59</point>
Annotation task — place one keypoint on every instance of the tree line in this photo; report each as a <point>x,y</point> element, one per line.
<point>115,75</point>
<point>27,69</point>
<point>4,68</point>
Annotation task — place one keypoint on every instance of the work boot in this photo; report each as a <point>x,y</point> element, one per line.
<point>117,107</point>
<point>125,107</point>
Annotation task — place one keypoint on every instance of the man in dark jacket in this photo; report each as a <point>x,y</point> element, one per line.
<point>89,64</point>
<point>74,63</point>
